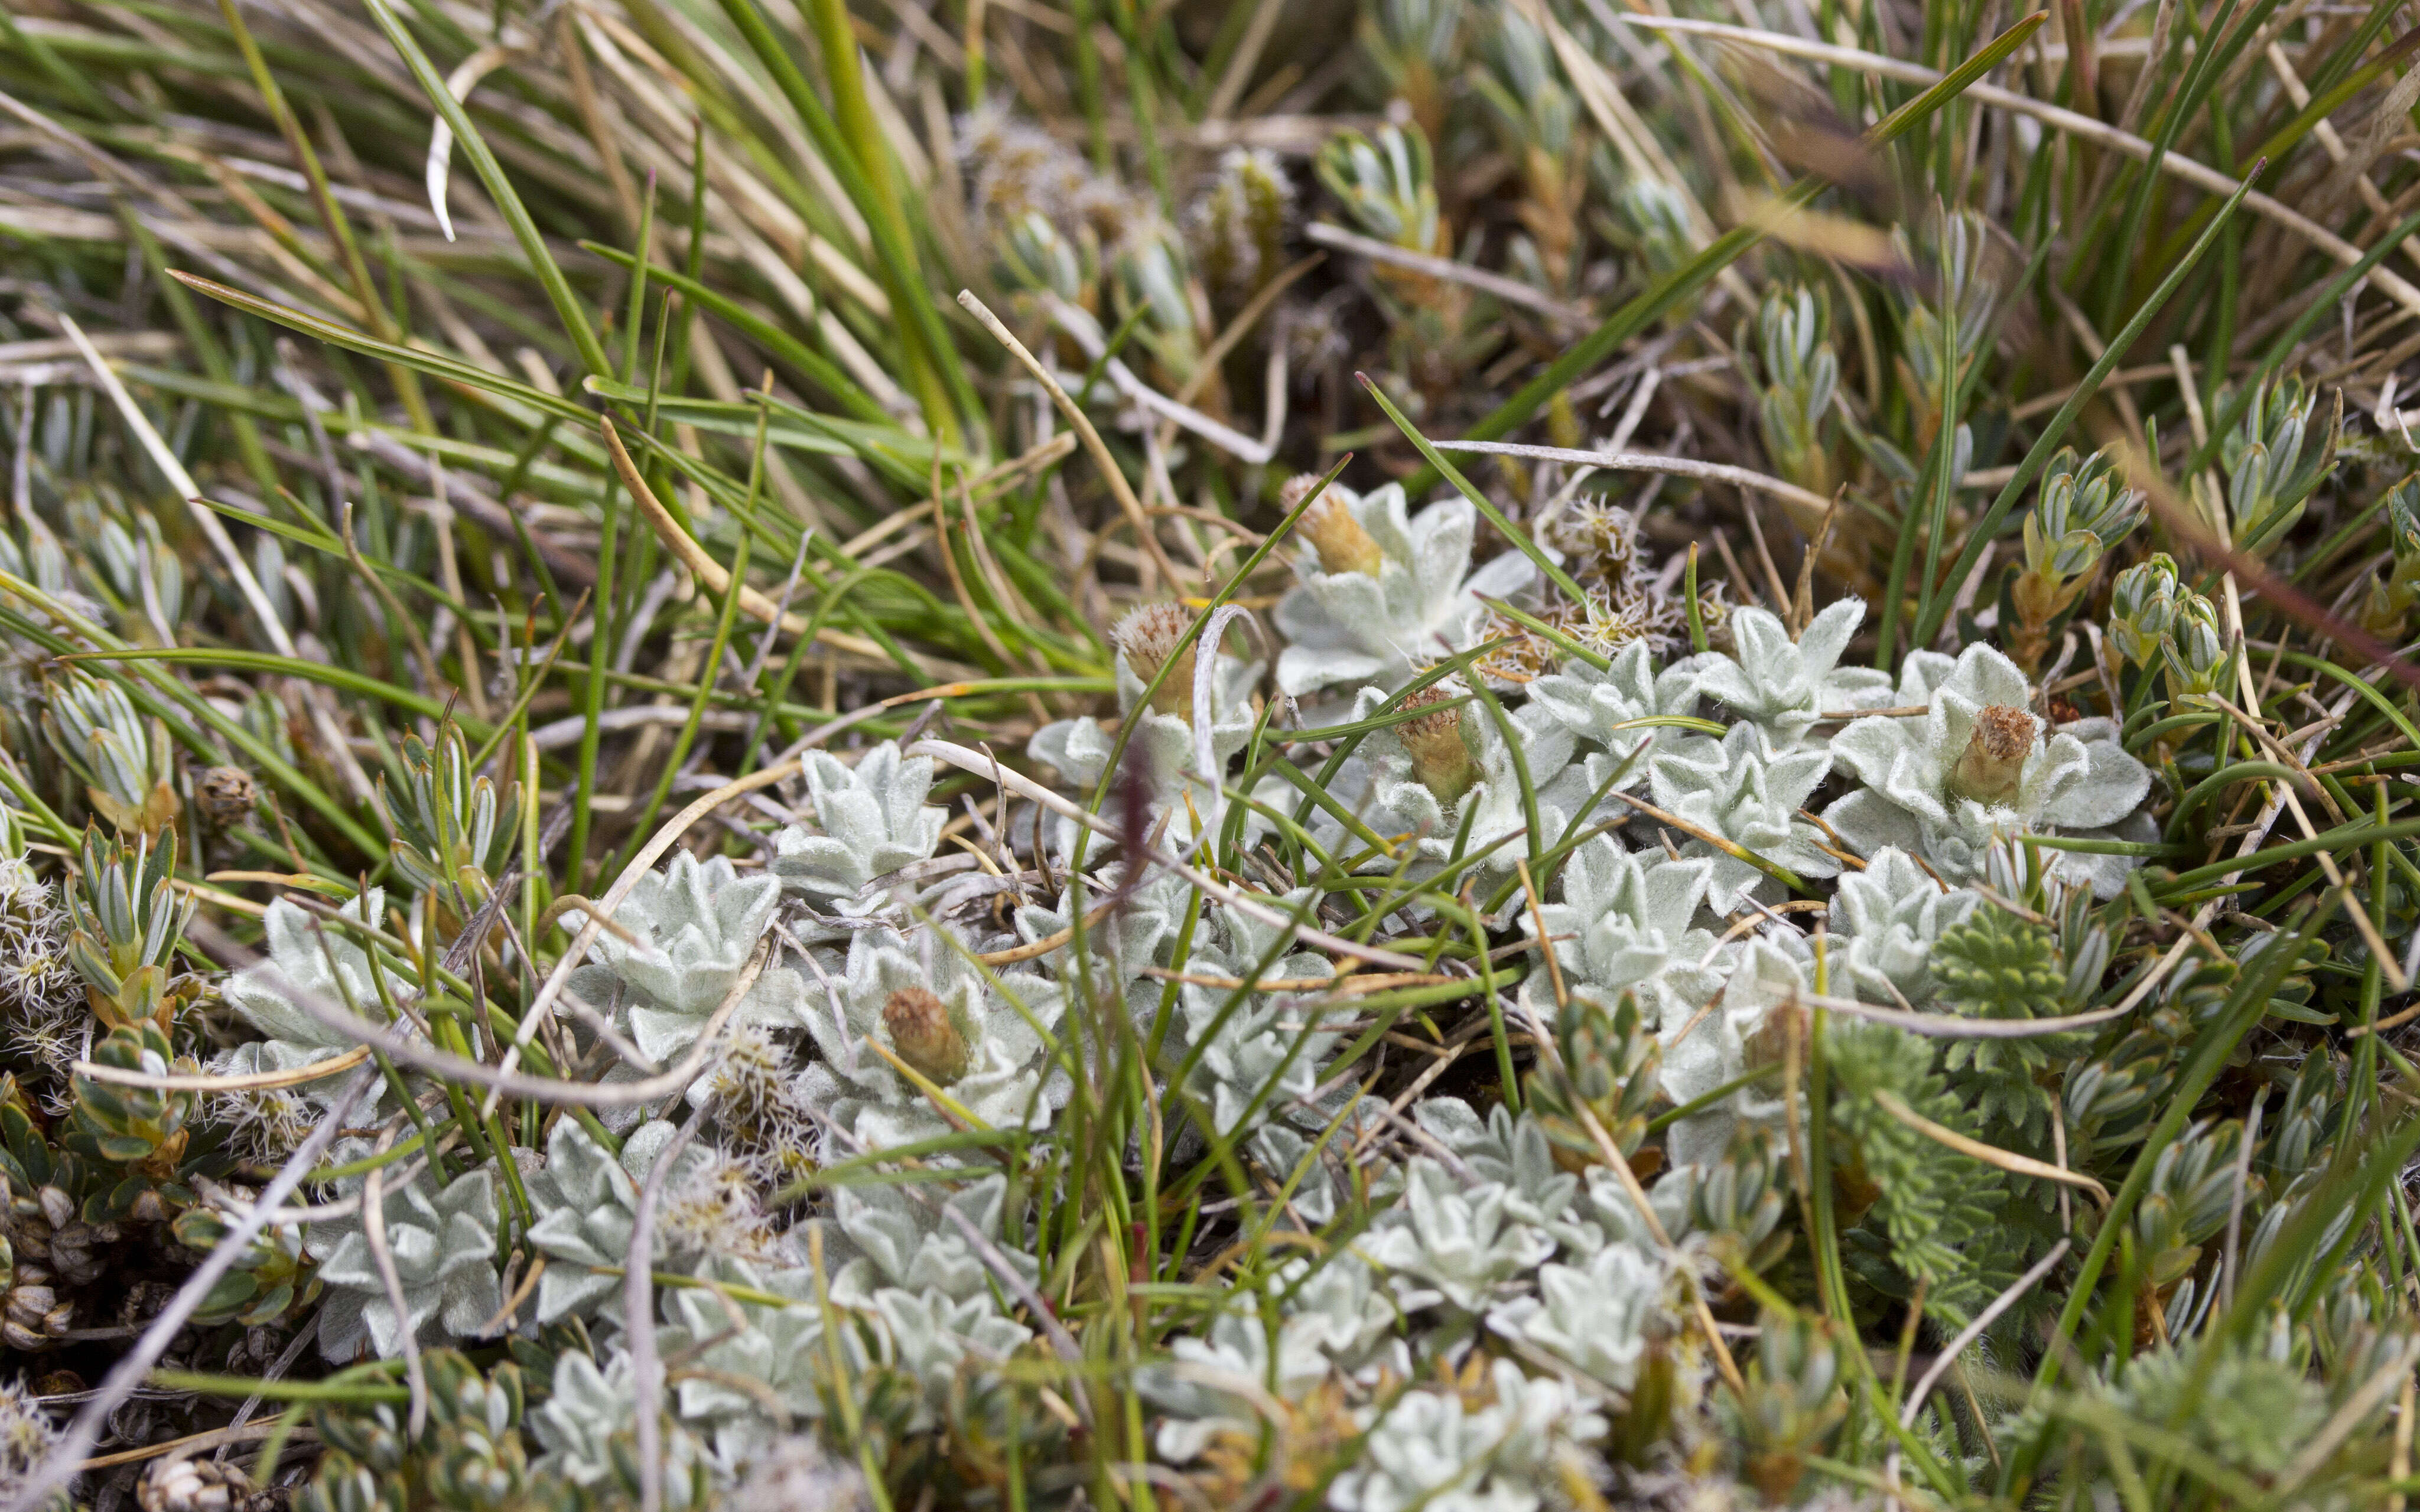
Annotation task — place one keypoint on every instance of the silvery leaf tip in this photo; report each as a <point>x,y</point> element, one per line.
<point>319,962</point>
<point>1596,1315</point>
<point>1254,1057</point>
<point>1431,1449</point>
<point>779,1355</point>
<point>1980,764</point>
<point>692,928</point>
<point>584,1428</point>
<point>1701,1055</point>
<point>1161,748</point>
<point>443,1245</point>
<point>1454,1243</point>
<point>1627,922</point>
<point>1605,708</point>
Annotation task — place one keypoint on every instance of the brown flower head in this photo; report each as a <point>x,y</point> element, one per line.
<point>1440,755</point>
<point>1994,762</point>
<point>924,1036</point>
<point>1343,545</point>
<point>1147,637</point>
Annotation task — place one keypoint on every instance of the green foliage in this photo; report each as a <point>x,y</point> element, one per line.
<point>1940,1211</point>
<point>469,1457</point>
<point>1608,1067</point>
<point>452,832</point>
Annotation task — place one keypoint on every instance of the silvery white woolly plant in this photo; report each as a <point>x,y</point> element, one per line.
<point>1768,970</point>
<point>935,1339</point>
<point>780,1350</point>
<point>1329,1318</point>
<point>891,1237</point>
<point>1884,921</point>
<point>926,1005</point>
<point>874,819</point>
<point>1121,948</point>
<point>1428,1450</point>
<point>1749,793</point>
<point>1383,590</point>
<point>1249,1067</point>
<point>443,1245</point>
<point>1596,1315</point>
<point>1454,1241</point>
<point>1605,707</point>
<point>1162,745</point>
<point>308,961</point>
<point>586,1202</point>
<point>1627,922</point>
<point>1509,1151</point>
<point>585,1428</point>
<point>1449,775</point>
<point>692,928</point>
<point>1308,1163</point>
<point>1782,686</point>
<point>1980,764</point>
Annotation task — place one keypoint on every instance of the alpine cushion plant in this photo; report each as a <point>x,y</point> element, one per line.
<point>874,821</point>
<point>1980,764</point>
<point>1784,683</point>
<point>682,940</point>
<point>442,1242</point>
<point>1384,591</point>
<point>1274,777</point>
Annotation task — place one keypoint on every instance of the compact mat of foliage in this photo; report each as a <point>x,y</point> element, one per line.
<point>1033,754</point>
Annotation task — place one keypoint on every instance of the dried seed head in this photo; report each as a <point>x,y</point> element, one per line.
<point>1440,757</point>
<point>922,1032</point>
<point>1343,545</point>
<point>1147,637</point>
<point>226,794</point>
<point>1988,769</point>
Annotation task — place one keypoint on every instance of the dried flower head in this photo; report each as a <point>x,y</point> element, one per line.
<point>1989,768</point>
<point>710,1209</point>
<point>226,794</point>
<point>27,1433</point>
<point>1440,757</point>
<point>1147,637</point>
<point>925,1037</point>
<point>1343,545</point>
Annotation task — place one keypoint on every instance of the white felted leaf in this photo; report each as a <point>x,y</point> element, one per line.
<point>1885,920</point>
<point>1398,803</point>
<point>1453,1243</point>
<point>1427,1450</point>
<point>1595,1313</point>
<point>320,960</point>
<point>1781,685</point>
<point>443,1245</point>
<point>1004,1084</point>
<point>1742,789</point>
<point>1347,630</point>
<point>1626,922</point>
<point>692,927</point>
<point>874,819</point>
<point>1595,705</point>
<point>2077,778</point>
<point>1727,1043</point>
<point>779,1350</point>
